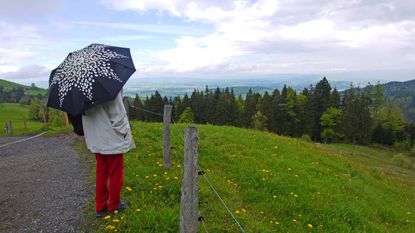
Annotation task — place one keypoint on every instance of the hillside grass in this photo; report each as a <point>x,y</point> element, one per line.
<point>27,89</point>
<point>271,184</point>
<point>16,113</point>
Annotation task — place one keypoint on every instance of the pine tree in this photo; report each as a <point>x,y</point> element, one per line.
<point>278,118</point>
<point>250,108</point>
<point>137,112</point>
<point>259,121</point>
<point>378,101</point>
<point>321,101</point>
<point>265,107</point>
<point>187,116</point>
<point>334,99</point>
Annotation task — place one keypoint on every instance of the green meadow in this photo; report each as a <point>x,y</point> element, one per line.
<point>270,183</point>
<point>17,113</point>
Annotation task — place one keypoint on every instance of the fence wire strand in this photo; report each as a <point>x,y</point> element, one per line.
<point>213,188</point>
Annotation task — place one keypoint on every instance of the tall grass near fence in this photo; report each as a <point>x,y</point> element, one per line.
<point>270,183</point>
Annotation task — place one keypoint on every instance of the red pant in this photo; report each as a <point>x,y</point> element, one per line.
<point>110,168</point>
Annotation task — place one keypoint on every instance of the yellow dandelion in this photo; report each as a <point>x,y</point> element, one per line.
<point>167,178</point>
<point>408,212</point>
<point>310,225</point>
<point>262,212</point>
<point>107,217</point>
<point>263,178</point>
<point>244,210</point>
<point>237,212</point>
<point>176,178</point>
<point>296,175</point>
<point>160,165</point>
<point>160,186</point>
<point>271,222</point>
<point>165,173</point>
<point>146,177</point>
<point>155,175</point>
<point>277,223</point>
<point>116,220</point>
<point>115,211</point>
<point>137,210</point>
<point>292,193</point>
<point>129,189</point>
<point>295,195</point>
<point>289,169</point>
<point>294,220</point>
<point>178,166</point>
<point>275,196</point>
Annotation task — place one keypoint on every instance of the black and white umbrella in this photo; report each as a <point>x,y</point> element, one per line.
<point>88,77</point>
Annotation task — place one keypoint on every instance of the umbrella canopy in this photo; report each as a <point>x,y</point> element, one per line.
<point>88,77</point>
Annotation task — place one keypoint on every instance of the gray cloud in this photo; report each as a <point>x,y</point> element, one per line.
<point>32,72</point>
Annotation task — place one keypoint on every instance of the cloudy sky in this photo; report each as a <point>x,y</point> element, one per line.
<point>211,38</point>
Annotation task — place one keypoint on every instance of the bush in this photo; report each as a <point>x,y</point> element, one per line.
<point>56,118</point>
<point>306,138</point>
<point>403,161</point>
<point>403,145</point>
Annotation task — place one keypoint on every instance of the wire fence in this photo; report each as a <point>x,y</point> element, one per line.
<point>202,173</point>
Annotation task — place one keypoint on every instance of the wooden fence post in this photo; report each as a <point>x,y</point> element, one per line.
<point>24,123</point>
<point>166,136</point>
<point>65,115</point>
<point>190,188</point>
<point>7,127</point>
<point>10,126</point>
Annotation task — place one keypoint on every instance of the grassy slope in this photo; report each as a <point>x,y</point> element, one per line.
<point>267,179</point>
<point>16,113</point>
<point>9,85</point>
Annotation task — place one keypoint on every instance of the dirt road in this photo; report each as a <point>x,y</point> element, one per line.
<point>43,185</point>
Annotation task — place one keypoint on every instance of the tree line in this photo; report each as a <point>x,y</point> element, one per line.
<point>319,113</point>
<point>18,95</point>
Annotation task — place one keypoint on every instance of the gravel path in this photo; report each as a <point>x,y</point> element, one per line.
<point>43,185</point>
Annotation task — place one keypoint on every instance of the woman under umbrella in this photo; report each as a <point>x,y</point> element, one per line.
<point>89,83</point>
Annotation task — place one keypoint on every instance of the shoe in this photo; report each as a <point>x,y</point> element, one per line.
<point>121,207</point>
<point>102,213</point>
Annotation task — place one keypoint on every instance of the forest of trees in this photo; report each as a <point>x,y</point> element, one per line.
<point>318,113</point>
<point>17,95</point>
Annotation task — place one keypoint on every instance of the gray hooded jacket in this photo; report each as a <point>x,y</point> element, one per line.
<point>106,128</point>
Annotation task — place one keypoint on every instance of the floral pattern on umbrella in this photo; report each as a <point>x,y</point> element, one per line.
<point>81,67</point>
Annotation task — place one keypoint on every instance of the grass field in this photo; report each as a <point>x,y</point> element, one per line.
<point>271,184</point>
<point>16,113</point>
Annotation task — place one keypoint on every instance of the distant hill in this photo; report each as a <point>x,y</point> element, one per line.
<point>28,90</point>
<point>403,94</point>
